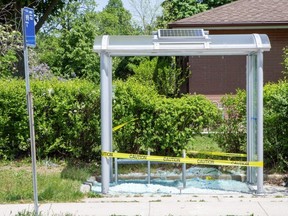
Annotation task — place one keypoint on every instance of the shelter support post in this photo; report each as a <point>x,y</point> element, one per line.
<point>260,120</point>
<point>106,118</point>
<point>251,115</point>
<point>254,108</point>
<point>248,111</point>
<point>110,115</point>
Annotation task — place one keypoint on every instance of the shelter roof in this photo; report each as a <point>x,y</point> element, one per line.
<point>148,45</point>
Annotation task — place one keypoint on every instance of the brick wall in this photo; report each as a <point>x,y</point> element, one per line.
<point>217,75</point>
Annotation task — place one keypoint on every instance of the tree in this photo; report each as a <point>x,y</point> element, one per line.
<point>10,43</point>
<point>215,3</point>
<point>10,14</point>
<point>70,12</point>
<point>68,48</point>
<point>10,11</point>
<point>115,19</point>
<point>174,10</point>
<point>147,12</point>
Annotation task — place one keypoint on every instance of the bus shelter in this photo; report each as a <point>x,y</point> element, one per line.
<point>188,42</point>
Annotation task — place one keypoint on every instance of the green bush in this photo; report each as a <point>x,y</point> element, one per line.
<point>163,125</point>
<point>232,136</point>
<point>285,62</point>
<point>276,125</point>
<point>66,117</point>
<point>162,72</point>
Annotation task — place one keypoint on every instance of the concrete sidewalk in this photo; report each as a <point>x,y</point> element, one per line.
<point>157,205</point>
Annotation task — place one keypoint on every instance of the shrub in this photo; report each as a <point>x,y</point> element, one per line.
<point>164,73</point>
<point>285,62</point>
<point>231,134</point>
<point>67,119</point>
<point>276,125</point>
<point>163,124</point>
<point>66,115</point>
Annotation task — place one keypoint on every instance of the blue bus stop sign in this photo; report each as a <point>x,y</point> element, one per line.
<point>28,27</point>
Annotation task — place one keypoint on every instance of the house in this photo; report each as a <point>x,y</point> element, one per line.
<point>214,76</point>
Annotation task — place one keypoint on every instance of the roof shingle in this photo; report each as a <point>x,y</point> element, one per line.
<point>241,12</point>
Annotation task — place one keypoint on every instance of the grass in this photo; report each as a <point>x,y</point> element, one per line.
<point>57,183</point>
<point>32,213</point>
<point>60,181</point>
<point>203,143</point>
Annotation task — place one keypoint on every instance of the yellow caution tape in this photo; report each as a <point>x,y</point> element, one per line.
<point>218,153</point>
<point>122,125</point>
<point>182,160</point>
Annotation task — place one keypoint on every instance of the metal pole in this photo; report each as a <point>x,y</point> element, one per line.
<point>116,170</point>
<point>184,170</point>
<point>248,114</point>
<point>260,120</point>
<point>105,121</point>
<point>110,114</point>
<point>149,168</point>
<point>33,149</point>
<point>31,121</point>
<point>249,108</point>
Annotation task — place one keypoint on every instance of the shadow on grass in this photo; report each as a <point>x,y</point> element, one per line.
<point>80,171</point>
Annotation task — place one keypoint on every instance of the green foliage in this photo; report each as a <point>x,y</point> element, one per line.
<point>216,3</point>
<point>115,19</point>
<point>168,77</point>
<point>44,10</point>
<point>164,125</point>
<point>78,171</point>
<point>67,50</point>
<point>144,70</point>
<point>10,41</point>
<point>232,131</point>
<point>232,136</point>
<point>128,65</point>
<point>204,143</point>
<point>174,10</point>
<point>78,58</point>
<point>285,62</point>
<point>66,117</point>
<point>162,73</point>
<point>276,125</point>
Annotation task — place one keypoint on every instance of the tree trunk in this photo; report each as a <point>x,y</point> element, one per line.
<point>44,17</point>
<point>20,64</point>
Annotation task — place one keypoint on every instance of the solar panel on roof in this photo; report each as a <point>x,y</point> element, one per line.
<point>176,33</point>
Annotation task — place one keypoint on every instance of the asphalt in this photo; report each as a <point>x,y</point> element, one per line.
<point>273,202</point>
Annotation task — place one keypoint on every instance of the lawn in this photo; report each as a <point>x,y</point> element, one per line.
<point>57,182</point>
<point>203,143</point>
<point>60,181</point>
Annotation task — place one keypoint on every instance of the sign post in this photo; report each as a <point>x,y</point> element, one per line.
<point>29,40</point>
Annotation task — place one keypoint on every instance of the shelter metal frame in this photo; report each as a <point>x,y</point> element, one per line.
<point>250,45</point>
